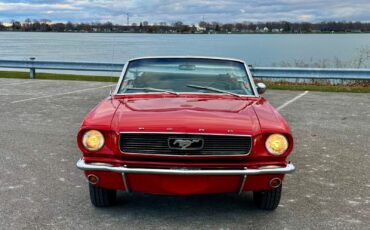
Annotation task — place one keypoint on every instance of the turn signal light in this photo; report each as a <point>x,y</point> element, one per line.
<point>93,179</point>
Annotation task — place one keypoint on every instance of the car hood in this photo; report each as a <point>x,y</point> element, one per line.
<point>186,114</point>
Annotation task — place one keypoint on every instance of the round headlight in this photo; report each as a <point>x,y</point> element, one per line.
<point>93,140</point>
<point>276,144</point>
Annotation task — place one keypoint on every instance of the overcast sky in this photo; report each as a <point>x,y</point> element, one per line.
<point>188,11</point>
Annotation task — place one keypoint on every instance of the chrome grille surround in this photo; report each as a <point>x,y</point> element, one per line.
<point>156,144</point>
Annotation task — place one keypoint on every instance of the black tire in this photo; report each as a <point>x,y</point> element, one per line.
<point>101,197</point>
<point>267,199</point>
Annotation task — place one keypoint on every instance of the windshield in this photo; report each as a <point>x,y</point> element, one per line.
<point>186,75</point>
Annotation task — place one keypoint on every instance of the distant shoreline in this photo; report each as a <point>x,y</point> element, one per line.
<point>218,33</point>
<point>178,27</point>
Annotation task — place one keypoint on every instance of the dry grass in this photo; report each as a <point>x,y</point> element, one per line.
<point>359,87</point>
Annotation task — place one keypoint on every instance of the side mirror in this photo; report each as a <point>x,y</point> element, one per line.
<point>261,88</point>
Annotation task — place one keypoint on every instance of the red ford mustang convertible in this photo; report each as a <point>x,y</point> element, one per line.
<point>183,126</point>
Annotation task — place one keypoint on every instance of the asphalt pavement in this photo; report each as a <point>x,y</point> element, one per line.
<point>40,187</point>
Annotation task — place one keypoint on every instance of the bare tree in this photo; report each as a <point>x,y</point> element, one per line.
<point>180,27</point>
<point>69,27</point>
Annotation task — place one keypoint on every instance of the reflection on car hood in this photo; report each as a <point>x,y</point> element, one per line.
<point>185,103</point>
<point>186,114</point>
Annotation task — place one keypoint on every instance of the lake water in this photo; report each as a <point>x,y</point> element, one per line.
<point>255,49</point>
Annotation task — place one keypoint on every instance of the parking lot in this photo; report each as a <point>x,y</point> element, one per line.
<point>40,187</point>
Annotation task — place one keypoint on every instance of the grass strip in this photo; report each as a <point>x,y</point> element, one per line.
<point>321,88</point>
<point>54,76</point>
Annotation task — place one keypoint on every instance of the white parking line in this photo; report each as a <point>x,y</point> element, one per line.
<point>61,94</point>
<point>291,100</point>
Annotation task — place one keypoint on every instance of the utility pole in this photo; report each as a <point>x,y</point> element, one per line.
<point>128,19</point>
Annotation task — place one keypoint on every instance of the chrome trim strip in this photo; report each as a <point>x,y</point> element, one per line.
<point>101,164</point>
<point>184,133</point>
<point>195,57</point>
<point>251,80</point>
<point>289,168</point>
<point>119,83</point>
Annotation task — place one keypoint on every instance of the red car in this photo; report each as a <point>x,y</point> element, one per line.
<point>183,126</point>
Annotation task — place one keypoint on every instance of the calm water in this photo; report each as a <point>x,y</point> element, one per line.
<point>256,49</point>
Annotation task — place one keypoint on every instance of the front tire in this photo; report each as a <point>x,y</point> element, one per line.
<point>101,197</point>
<point>267,199</point>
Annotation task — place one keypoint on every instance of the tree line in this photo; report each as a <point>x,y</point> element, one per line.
<point>45,25</point>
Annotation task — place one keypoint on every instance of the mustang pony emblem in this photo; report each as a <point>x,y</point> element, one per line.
<point>186,143</point>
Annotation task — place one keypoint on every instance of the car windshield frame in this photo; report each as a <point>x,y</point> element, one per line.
<point>249,80</point>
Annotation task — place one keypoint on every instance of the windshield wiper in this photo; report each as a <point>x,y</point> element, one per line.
<point>152,89</point>
<point>213,89</point>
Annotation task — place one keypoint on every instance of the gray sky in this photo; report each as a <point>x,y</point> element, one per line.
<point>188,11</point>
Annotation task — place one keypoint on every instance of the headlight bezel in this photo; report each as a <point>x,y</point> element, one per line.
<point>282,138</point>
<point>96,133</point>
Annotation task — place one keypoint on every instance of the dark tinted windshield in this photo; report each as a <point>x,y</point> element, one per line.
<point>180,75</point>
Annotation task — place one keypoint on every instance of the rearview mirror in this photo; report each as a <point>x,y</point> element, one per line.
<point>261,88</point>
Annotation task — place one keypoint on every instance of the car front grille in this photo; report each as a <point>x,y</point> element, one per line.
<point>160,143</point>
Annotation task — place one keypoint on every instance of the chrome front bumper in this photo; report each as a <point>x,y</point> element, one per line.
<point>271,169</point>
